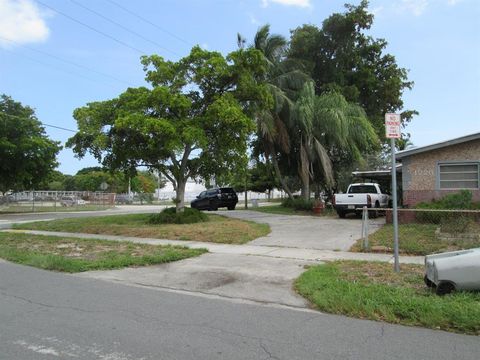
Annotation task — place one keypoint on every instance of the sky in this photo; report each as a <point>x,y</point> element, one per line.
<point>58,55</point>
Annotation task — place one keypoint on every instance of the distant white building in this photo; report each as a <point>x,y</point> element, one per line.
<point>192,189</point>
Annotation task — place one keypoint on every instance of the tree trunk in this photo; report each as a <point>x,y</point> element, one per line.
<point>180,195</point>
<point>246,194</point>
<point>280,178</point>
<point>306,190</point>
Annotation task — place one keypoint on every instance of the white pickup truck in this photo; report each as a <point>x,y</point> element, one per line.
<point>358,196</point>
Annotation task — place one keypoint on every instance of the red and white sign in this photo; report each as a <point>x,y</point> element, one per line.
<point>392,126</point>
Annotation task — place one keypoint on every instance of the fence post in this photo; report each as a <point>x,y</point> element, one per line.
<point>365,228</point>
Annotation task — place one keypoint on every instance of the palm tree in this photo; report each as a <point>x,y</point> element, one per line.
<point>322,124</point>
<point>284,78</point>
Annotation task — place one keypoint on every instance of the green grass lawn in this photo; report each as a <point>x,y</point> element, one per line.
<point>218,229</point>
<point>372,290</point>
<point>76,255</point>
<point>413,239</point>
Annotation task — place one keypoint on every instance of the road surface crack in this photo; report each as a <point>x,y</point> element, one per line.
<point>50,306</point>
<point>270,355</point>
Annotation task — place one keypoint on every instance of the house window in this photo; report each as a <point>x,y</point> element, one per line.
<point>459,176</point>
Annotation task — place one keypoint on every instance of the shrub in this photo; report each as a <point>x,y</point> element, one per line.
<point>170,216</point>
<point>458,221</point>
<point>461,200</point>
<point>298,204</point>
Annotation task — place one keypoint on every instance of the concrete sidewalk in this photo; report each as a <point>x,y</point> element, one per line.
<point>281,252</point>
<point>263,270</point>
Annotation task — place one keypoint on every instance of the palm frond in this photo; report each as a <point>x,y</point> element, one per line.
<point>261,37</point>
<point>282,136</point>
<point>325,161</point>
<point>304,164</point>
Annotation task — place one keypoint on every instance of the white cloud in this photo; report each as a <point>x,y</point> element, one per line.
<point>22,21</point>
<point>416,7</point>
<point>253,20</point>
<point>376,11</point>
<point>453,2</point>
<point>299,3</point>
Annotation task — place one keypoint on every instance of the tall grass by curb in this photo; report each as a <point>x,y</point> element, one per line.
<point>77,255</point>
<point>338,288</point>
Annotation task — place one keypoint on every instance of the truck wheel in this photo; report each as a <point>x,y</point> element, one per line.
<point>341,214</point>
<point>427,281</point>
<point>444,288</point>
<point>375,212</point>
<point>231,207</point>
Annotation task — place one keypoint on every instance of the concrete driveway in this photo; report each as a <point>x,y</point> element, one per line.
<point>307,232</point>
<point>234,276</point>
<point>260,277</point>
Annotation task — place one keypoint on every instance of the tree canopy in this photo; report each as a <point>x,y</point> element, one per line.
<point>193,120</point>
<point>27,155</point>
<point>341,56</point>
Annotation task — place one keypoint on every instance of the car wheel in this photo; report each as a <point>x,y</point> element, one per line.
<point>428,282</point>
<point>341,214</point>
<point>213,206</point>
<point>444,288</point>
<point>231,207</point>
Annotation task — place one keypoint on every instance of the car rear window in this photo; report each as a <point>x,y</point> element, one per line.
<point>227,191</point>
<point>362,189</point>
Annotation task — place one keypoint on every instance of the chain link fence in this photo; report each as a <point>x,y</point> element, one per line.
<point>420,231</point>
<point>45,201</point>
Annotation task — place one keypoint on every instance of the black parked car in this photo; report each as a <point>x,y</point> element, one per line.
<point>216,198</point>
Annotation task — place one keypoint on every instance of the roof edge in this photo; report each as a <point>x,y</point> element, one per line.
<point>405,153</point>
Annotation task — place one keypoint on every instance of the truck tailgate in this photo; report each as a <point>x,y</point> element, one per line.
<point>351,199</point>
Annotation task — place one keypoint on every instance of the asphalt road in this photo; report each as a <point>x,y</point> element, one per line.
<point>46,315</point>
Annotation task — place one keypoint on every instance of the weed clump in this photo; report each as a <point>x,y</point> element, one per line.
<point>170,216</point>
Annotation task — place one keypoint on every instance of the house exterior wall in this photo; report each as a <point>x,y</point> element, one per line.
<point>420,171</point>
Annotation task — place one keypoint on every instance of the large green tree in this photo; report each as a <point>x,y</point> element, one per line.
<point>193,120</point>
<point>27,155</point>
<point>341,56</point>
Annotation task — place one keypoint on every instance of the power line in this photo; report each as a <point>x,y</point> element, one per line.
<point>52,66</point>
<point>149,22</point>
<point>92,28</point>
<point>58,127</point>
<point>67,61</point>
<point>43,124</point>
<point>123,27</point>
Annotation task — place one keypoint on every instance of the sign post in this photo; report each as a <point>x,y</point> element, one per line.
<point>392,132</point>
<point>103,187</point>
